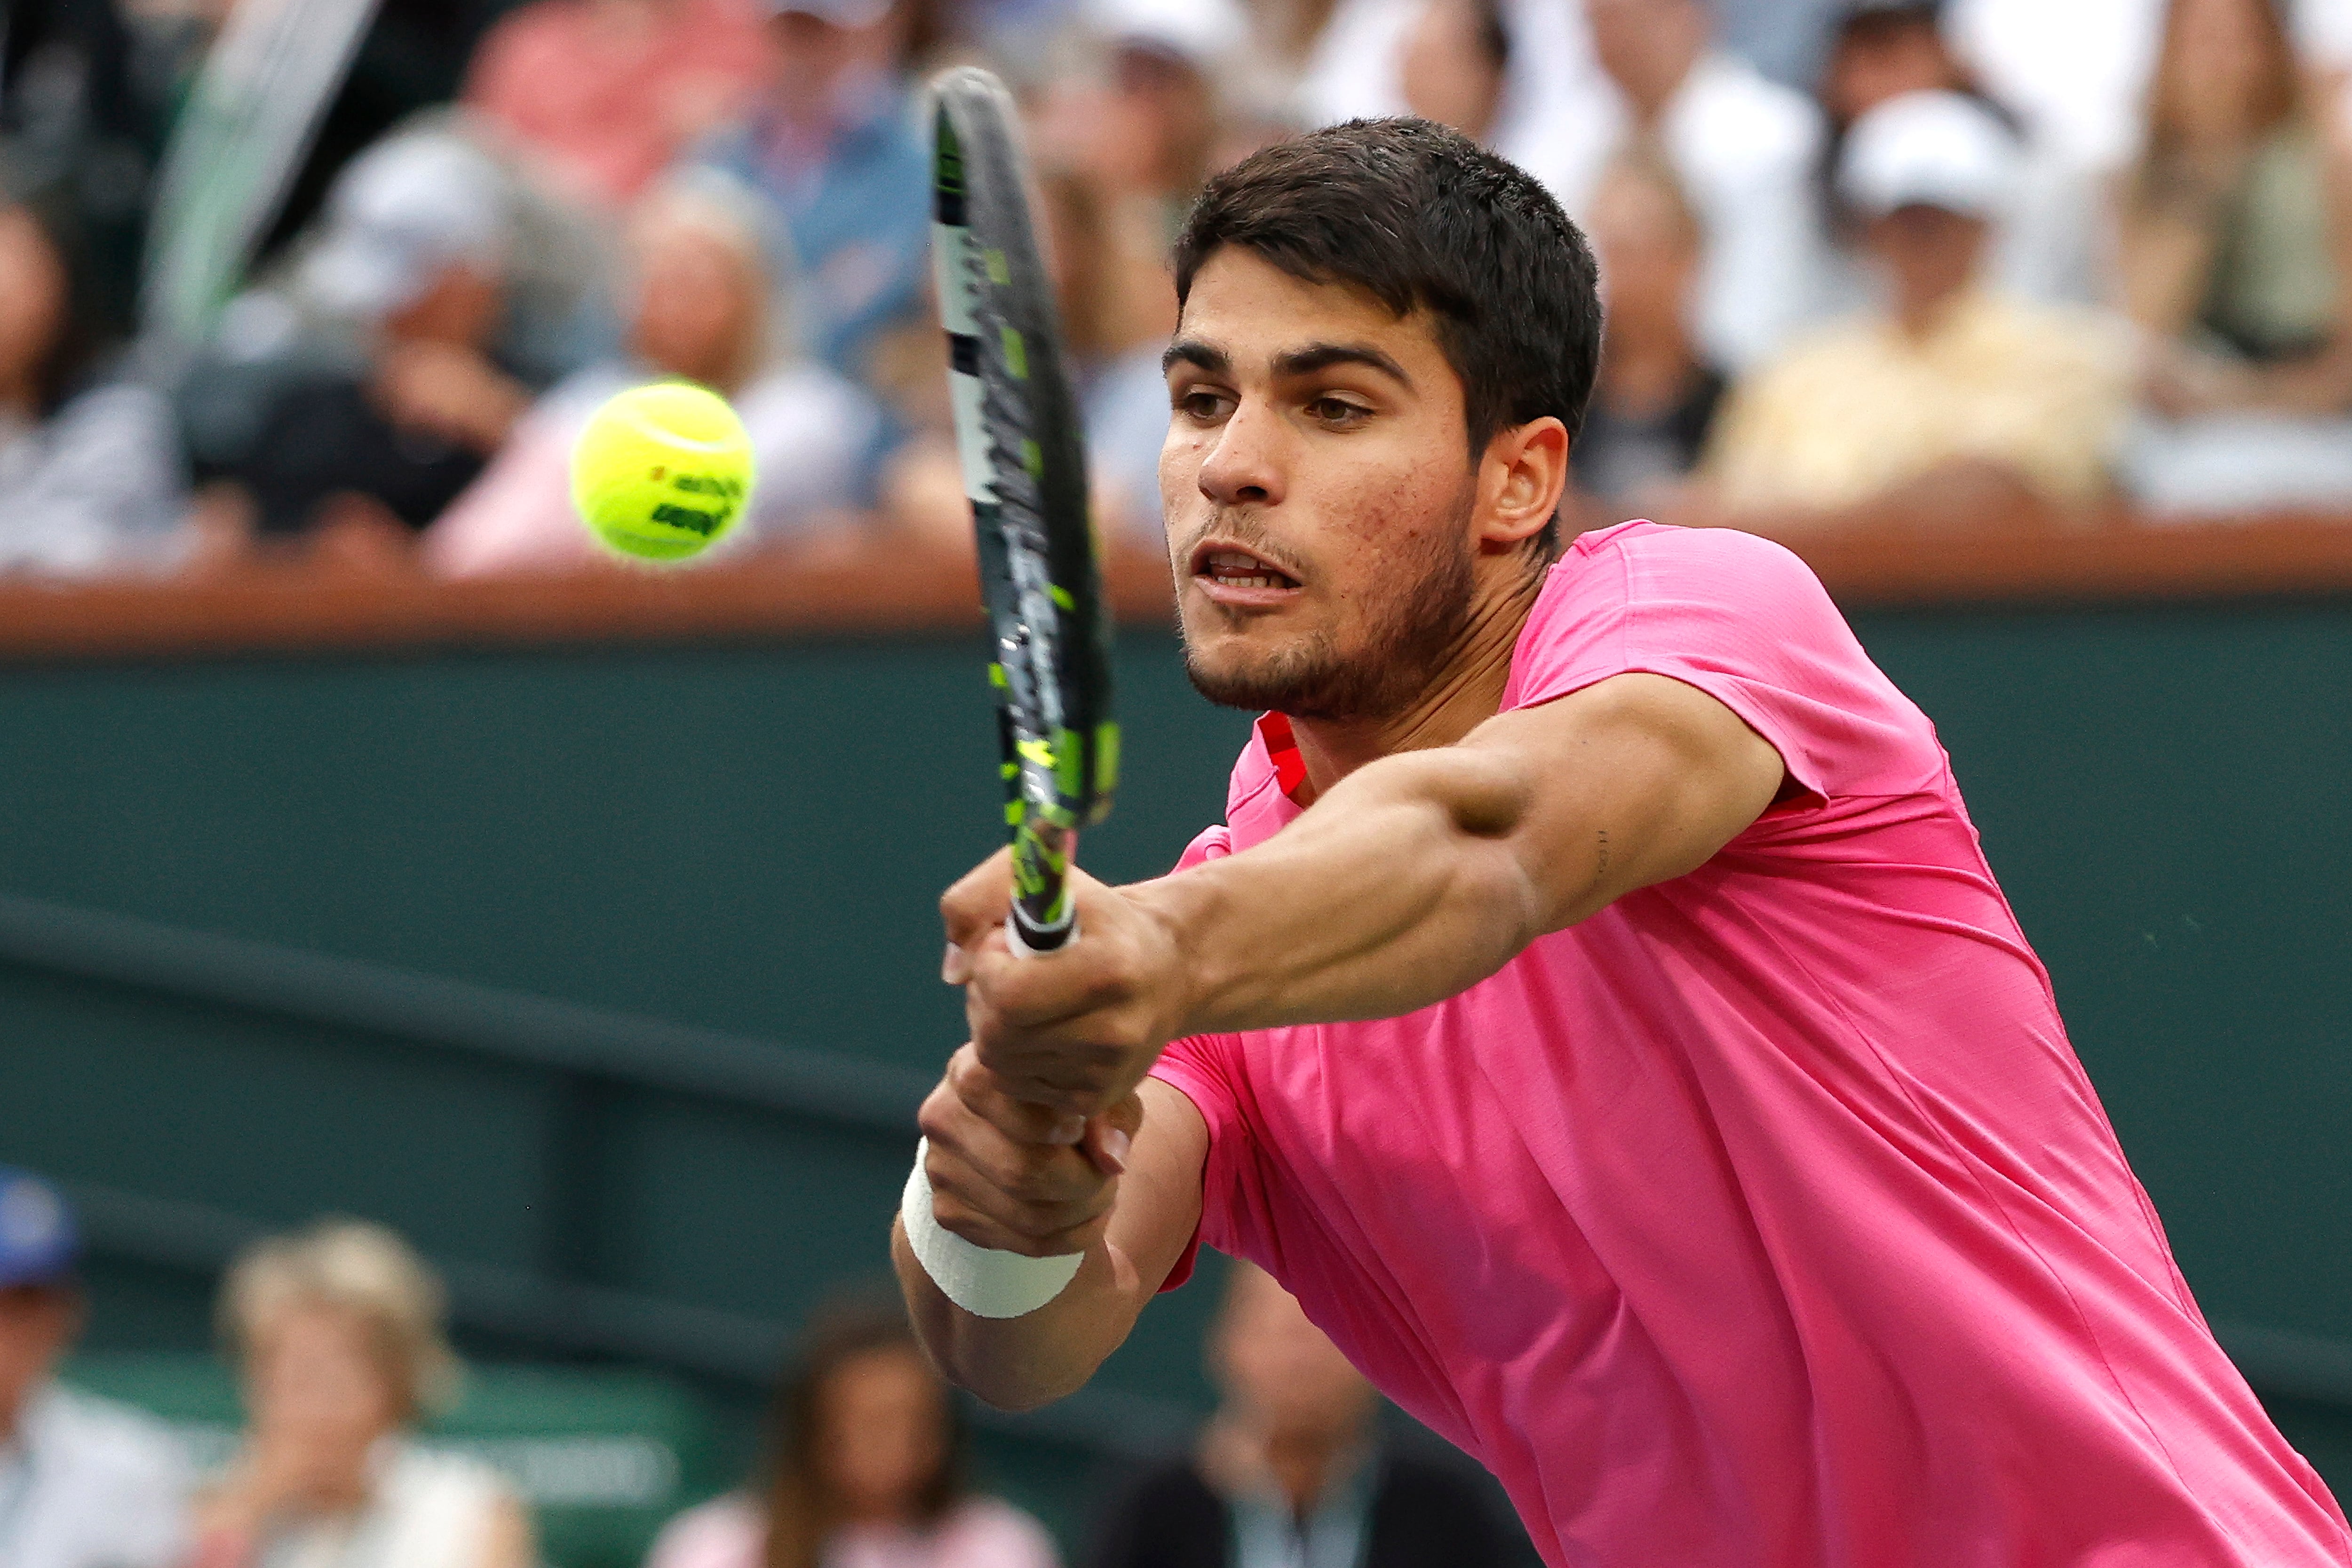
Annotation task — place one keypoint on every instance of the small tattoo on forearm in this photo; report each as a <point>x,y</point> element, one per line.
<point>1603,865</point>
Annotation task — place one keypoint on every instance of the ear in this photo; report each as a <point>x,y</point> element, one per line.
<point>1520,481</point>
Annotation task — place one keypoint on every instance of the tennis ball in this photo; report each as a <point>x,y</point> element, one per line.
<point>663,471</point>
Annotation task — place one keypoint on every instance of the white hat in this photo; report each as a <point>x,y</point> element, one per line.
<point>1200,33</point>
<point>402,211</point>
<point>1930,149</point>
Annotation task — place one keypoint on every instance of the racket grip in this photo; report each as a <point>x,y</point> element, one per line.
<point>1027,939</point>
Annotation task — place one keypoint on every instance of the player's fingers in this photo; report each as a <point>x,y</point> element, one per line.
<point>987,1096</point>
<point>982,1191</point>
<point>1111,1136</point>
<point>971,909</point>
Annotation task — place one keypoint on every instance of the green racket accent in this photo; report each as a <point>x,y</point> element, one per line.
<point>1017,432</point>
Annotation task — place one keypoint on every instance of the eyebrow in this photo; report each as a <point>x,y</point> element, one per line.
<point>1292,363</point>
<point>1193,351</point>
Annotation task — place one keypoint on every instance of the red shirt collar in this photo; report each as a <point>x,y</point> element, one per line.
<point>1282,751</point>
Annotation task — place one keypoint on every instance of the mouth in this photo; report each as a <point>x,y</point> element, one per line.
<point>1232,576</point>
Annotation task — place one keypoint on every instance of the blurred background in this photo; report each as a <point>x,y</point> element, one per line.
<point>463,1000</point>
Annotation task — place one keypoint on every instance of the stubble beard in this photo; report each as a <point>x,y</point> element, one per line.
<point>1404,642</point>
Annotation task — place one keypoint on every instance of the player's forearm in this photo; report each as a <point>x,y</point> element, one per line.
<point>1404,886</point>
<point>1020,1363</point>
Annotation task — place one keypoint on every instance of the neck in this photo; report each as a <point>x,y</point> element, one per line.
<point>1922,315</point>
<point>1641,378</point>
<point>1467,691</point>
<point>1299,1466</point>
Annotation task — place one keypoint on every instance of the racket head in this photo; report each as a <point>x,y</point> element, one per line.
<point>1023,458</point>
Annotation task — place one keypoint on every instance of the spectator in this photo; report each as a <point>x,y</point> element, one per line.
<point>1117,311</point>
<point>415,251</point>
<point>1146,119</point>
<point>1657,395</point>
<point>338,1331</point>
<point>864,1469</point>
<point>83,1483</point>
<point>2049,245</point>
<point>91,478</point>
<point>1456,60</point>
<point>605,93</point>
<point>1289,1472</point>
<point>834,144</point>
<point>1743,147</point>
<point>2236,249</point>
<point>1951,381</point>
<point>707,306</point>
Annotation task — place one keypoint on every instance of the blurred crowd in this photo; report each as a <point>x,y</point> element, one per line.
<point>1975,253</point>
<point>338,1335</point>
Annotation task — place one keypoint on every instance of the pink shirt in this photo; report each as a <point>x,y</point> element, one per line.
<point>1766,1218</point>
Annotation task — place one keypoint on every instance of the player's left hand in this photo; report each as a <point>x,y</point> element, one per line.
<point>1075,1029</point>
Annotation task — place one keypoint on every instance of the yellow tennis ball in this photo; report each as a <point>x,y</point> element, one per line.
<point>663,471</point>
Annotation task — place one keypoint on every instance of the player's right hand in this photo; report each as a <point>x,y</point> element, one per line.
<point>996,1180</point>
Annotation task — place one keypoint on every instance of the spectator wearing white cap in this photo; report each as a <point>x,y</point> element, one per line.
<point>83,1483</point>
<point>1949,379</point>
<point>413,257</point>
<point>832,141</point>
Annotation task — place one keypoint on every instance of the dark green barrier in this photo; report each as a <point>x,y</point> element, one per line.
<point>749,841</point>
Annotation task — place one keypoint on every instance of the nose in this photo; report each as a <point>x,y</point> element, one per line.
<point>1245,465</point>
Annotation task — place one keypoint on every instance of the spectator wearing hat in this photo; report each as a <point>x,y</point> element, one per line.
<point>83,1483</point>
<point>412,258</point>
<point>2052,242</point>
<point>1290,1471</point>
<point>338,1332</point>
<point>1951,378</point>
<point>832,141</point>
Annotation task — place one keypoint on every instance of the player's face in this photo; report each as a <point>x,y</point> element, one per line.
<point>1318,493</point>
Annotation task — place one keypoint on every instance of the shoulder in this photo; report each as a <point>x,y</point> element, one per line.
<point>1828,353</point>
<point>100,1438</point>
<point>1743,117</point>
<point>1648,568</point>
<point>989,1533</point>
<point>442,1481</point>
<point>2047,332</point>
<point>725,1533</point>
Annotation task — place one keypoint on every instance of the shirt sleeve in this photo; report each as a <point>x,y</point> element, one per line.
<point>1198,1068</point>
<point>1744,621</point>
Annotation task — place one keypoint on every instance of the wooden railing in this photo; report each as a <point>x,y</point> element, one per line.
<point>888,586</point>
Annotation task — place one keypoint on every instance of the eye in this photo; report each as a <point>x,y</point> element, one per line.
<point>1202,405</point>
<point>1338,411</point>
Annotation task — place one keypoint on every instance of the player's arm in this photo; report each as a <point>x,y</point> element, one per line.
<point>1130,1211</point>
<point>1410,880</point>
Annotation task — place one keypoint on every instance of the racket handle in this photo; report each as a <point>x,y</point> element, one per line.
<point>1028,940</point>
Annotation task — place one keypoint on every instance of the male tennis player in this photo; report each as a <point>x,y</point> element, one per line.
<point>1595,1006</point>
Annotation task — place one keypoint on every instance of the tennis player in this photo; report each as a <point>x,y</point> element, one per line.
<point>1595,1008</point>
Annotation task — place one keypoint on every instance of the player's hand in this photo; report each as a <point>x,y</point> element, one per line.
<point>1074,1030</point>
<point>996,1181</point>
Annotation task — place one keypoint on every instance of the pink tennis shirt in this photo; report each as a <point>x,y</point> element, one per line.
<point>1766,1218</point>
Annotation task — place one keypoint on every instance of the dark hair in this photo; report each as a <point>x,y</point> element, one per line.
<point>78,339</point>
<point>801,1509</point>
<point>1421,217</point>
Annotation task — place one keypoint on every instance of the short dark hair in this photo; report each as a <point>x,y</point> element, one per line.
<point>1420,217</point>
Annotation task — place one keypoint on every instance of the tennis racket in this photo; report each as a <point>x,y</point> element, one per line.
<point>1025,470</point>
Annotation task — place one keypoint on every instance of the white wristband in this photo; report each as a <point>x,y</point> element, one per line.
<point>981,1280</point>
